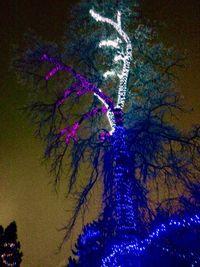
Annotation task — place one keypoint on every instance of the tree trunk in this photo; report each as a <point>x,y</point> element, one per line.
<point>124,208</point>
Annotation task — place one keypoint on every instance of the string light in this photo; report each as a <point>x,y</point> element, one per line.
<point>125,214</point>
<point>6,257</point>
<point>90,233</point>
<point>109,73</point>
<point>82,86</point>
<point>125,57</point>
<point>110,43</point>
<point>71,131</point>
<point>136,247</point>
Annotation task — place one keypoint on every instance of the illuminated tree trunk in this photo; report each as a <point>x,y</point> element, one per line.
<point>120,207</point>
<point>122,184</point>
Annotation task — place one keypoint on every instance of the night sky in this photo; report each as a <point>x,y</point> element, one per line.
<point>25,193</point>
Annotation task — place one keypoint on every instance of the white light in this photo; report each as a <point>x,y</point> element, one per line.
<point>125,57</point>
<point>109,73</point>
<point>119,18</point>
<point>117,25</point>
<point>112,43</point>
<point>109,113</point>
<point>111,119</point>
<point>119,58</point>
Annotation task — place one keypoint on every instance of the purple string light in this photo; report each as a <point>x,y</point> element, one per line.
<point>71,131</point>
<point>83,85</point>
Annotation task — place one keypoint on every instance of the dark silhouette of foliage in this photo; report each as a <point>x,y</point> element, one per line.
<point>10,252</point>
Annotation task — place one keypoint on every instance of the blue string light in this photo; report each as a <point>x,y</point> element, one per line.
<point>89,234</point>
<point>136,248</point>
<point>124,206</point>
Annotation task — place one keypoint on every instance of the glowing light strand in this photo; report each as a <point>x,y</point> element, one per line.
<point>125,57</point>
<point>112,43</point>
<point>125,213</point>
<point>71,131</point>
<point>137,247</point>
<point>108,73</point>
<point>90,233</point>
<point>6,257</point>
<point>81,87</point>
<point>83,84</point>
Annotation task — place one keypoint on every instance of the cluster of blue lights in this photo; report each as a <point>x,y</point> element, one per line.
<point>124,206</point>
<point>187,222</point>
<point>136,248</point>
<point>89,234</point>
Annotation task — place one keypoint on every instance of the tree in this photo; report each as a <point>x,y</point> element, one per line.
<point>125,134</point>
<point>10,254</point>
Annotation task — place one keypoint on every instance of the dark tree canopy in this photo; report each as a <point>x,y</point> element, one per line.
<point>73,94</point>
<point>10,253</point>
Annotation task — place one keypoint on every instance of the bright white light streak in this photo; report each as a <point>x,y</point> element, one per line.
<point>117,25</point>
<point>112,43</point>
<point>123,76</point>
<point>119,58</point>
<point>109,73</point>
<point>109,113</point>
<point>119,18</point>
